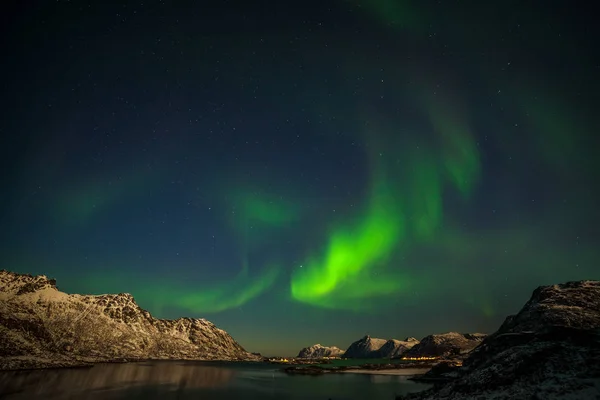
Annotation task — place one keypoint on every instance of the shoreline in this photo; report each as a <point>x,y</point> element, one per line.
<point>372,369</point>
<point>28,364</point>
<point>393,372</point>
<point>24,363</point>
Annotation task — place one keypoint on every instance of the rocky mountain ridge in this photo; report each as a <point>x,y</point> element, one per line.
<point>445,344</point>
<point>395,348</point>
<point>44,327</point>
<point>549,350</point>
<point>319,351</point>
<point>368,347</point>
<point>448,344</point>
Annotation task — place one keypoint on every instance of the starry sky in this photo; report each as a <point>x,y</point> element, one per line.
<point>303,172</point>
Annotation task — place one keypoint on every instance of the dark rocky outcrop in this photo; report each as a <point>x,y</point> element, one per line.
<point>43,327</point>
<point>318,351</point>
<point>445,344</point>
<point>549,350</point>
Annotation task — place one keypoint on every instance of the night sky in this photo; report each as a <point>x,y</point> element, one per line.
<point>303,172</point>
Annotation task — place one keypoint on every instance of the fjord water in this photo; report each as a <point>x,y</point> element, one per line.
<point>197,380</point>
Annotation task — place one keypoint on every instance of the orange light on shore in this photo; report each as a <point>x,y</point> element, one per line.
<point>419,358</point>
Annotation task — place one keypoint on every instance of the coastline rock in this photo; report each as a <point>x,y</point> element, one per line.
<point>44,327</point>
<point>443,371</point>
<point>318,351</point>
<point>445,345</point>
<point>549,350</point>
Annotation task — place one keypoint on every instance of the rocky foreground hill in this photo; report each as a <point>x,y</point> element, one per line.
<point>318,351</point>
<point>41,326</point>
<point>549,350</point>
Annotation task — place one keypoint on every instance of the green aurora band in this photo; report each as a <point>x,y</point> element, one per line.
<point>230,294</point>
<point>405,206</point>
<point>259,208</point>
<point>190,297</point>
<point>349,251</point>
<point>256,212</point>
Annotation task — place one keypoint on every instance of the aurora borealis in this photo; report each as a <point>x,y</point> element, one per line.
<point>303,173</point>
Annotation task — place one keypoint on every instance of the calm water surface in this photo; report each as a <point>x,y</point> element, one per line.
<point>196,380</point>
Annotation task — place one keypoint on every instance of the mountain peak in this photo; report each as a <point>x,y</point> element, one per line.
<point>445,344</point>
<point>366,347</point>
<point>40,319</point>
<point>319,351</point>
<point>19,284</point>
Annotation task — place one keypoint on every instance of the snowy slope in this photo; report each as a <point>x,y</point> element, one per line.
<point>445,344</point>
<point>367,347</point>
<point>318,351</point>
<point>41,326</point>
<point>396,348</point>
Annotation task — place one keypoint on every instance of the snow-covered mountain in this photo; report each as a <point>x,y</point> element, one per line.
<point>549,350</point>
<point>41,326</point>
<point>396,348</point>
<point>368,347</point>
<point>445,344</point>
<point>318,351</point>
<point>440,345</point>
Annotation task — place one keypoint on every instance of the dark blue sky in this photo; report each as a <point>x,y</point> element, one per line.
<point>303,172</point>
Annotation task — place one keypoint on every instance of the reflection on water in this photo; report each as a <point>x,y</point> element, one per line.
<point>382,378</point>
<point>58,382</point>
<point>189,380</point>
